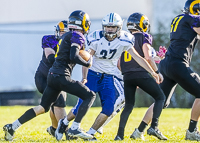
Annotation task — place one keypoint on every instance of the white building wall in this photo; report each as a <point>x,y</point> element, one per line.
<point>23,23</point>
<point>12,11</point>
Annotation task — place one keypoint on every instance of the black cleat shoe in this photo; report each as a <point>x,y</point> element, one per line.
<point>69,137</point>
<point>79,133</point>
<point>51,131</point>
<point>60,129</point>
<point>92,139</point>
<point>118,138</point>
<point>9,132</point>
<point>156,133</point>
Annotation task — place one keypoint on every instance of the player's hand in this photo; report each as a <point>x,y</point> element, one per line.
<point>156,76</point>
<point>90,61</point>
<point>161,77</point>
<point>84,80</point>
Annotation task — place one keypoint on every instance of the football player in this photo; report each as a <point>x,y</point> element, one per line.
<point>175,68</point>
<point>136,76</point>
<point>59,78</point>
<point>49,45</point>
<point>106,46</point>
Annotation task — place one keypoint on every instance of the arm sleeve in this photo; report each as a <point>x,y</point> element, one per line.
<point>75,57</point>
<point>147,39</point>
<point>195,22</point>
<point>51,58</point>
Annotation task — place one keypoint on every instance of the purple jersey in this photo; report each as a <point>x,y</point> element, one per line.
<point>129,64</point>
<point>48,41</point>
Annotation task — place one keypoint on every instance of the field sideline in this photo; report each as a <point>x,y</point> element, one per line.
<point>173,124</point>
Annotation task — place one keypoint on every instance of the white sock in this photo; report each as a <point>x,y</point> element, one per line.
<point>75,125</point>
<point>65,121</point>
<point>92,131</point>
<point>16,124</point>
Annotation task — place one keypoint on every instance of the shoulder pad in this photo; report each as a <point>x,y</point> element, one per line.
<point>95,35</point>
<point>125,35</point>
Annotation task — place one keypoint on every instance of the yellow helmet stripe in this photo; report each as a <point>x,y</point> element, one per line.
<point>61,26</point>
<point>192,5</point>
<point>83,23</point>
<point>141,23</point>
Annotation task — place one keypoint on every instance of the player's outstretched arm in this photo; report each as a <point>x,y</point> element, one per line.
<point>148,56</point>
<point>142,62</point>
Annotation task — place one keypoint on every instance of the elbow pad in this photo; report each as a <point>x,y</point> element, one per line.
<point>51,58</point>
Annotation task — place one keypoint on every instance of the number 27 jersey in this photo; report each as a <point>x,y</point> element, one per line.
<point>107,52</point>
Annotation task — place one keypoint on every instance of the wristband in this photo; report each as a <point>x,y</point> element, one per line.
<point>157,72</point>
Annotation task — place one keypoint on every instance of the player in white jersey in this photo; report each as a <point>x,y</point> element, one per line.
<point>106,46</point>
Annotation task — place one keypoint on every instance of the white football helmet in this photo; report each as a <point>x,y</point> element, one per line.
<point>112,19</point>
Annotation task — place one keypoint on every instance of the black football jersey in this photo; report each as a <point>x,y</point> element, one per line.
<point>127,63</point>
<point>182,36</point>
<point>63,65</point>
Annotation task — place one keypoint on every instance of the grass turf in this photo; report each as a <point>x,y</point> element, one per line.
<point>173,124</point>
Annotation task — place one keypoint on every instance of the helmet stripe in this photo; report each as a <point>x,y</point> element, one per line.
<point>61,25</point>
<point>84,23</point>
<point>111,17</point>
<point>192,5</point>
<point>141,23</point>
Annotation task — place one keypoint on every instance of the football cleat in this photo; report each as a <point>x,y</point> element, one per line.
<point>69,137</point>
<point>195,135</point>
<point>92,139</point>
<point>155,132</point>
<point>51,131</point>
<point>137,135</point>
<point>60,129</point>
<point>79,133</point>
<point>9,132</point>
<point>118,138</point>
<point>100,130</point>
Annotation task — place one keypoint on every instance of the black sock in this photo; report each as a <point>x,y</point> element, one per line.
<point>28,115</point>
<point>142,126</point>
<point>192,125</point>
<point>120,132</point>
<point>53,128</point>
<point>154,123</point>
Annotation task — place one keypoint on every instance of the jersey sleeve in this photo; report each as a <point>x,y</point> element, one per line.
<point>195,22</point>
<point>92,38</point>
<point>78,38</point>
<point>147,39</point>
<point>49,41</point>
<point>131,42</point>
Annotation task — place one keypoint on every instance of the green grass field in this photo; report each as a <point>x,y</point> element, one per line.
<point>173,124</point>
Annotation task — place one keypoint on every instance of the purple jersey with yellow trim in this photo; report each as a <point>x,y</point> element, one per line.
<point>63,65</point>
<point>127,63</point>
<point>48,41</point>
<point>182,37</point>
